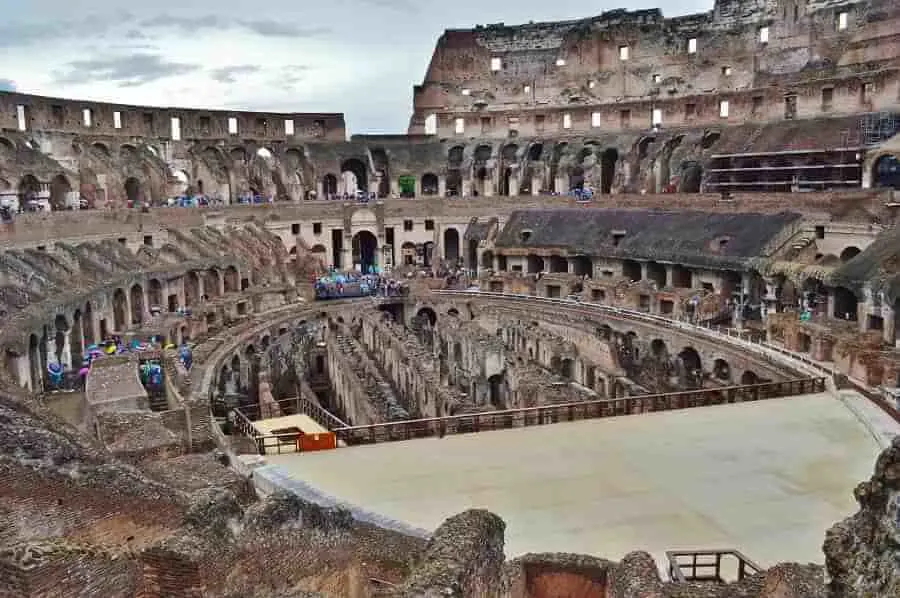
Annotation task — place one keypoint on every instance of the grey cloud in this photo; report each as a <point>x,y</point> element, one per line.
<point>7,85</point>
<point>130,70</point>
<point>267,27</point>
<point>291,75</point>
<point>228,74</point>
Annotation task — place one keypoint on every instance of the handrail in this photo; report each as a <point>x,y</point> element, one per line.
<point>573,411</point>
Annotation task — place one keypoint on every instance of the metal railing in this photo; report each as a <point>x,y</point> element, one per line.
<point>707,565</point>
<point>548,414</point>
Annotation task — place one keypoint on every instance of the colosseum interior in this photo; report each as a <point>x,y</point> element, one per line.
<point>404,365</point>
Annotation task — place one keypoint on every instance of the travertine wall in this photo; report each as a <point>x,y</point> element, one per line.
<point>612,71</point>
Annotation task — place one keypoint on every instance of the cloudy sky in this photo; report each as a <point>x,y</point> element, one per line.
<point>360,57</point>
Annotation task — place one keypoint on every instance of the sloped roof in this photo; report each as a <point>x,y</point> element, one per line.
<point>686,237</point>
<point>878,265</point>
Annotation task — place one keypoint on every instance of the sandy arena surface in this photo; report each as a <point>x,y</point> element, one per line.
<point>766,478</point>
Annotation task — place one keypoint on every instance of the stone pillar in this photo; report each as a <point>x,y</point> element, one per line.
<point>23,371</point>
<point>96,316</point>
<point>562,184</point>
<point>201,287</point>
<point>395,187</point>
<point>442,186</point>
<point>66,354</point>
<point>466,190</point>
<point>536,184</point>
<point>418,186</point>
<point>320,190</point>
<point>890,326</point>
<point>829,305</point>
<point>514,185</point>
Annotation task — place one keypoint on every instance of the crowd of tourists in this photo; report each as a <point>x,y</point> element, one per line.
<point>339,285</point>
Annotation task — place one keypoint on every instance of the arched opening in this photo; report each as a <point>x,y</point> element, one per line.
<point>232,281</point>
<point>60,331</point>
<point>659,350</point>
<point>849,253</point>
<point>360,172</point>
<point>191,289</point>
<point>454,183</point>
<point>321,254</point>
<point>154,294</point>
<point>886,172</point>
<point>212,283</point>
<point>451,245</point>
<point>487,260</point>
<point>691,177</point>
<point>576,179</point>
<point>120,311</point>
<point>608,169</point>
<point>429,184</point>
<point>555,158</point>
<point>656,273</point>
<point>691,368</point>
<point>329,185</point>
<point>34,363</point>
<point>407,185</point>
<point>133,192</point>
<point>682,278</point>
<point>427,254</point>
<point>582,266</point>
<point>426,313</point>
<point>567,369</point>
<point>137,304</point>
<point>76,339</point>
<point>87,324</point>
<point>749,377</point>
<point>534,264</point>
<point>481,181</point>
<point>60,188</point>
<point>29,190</point>
<point>408,253</point>
<point>631,270</point>
<point>495,391</point>
<point>508,163</point>
<point>365,251</point>
<point>721,370</point>
<point>845,304</point>
<point>558,264</point>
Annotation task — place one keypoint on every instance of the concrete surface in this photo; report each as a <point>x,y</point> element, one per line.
<point>766,478</point>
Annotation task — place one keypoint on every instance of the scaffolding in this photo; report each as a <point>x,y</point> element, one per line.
<point>874,128</point>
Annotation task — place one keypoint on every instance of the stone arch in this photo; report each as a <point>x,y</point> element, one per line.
<point>7,146</point>
<point>849,253</point>
<point>101,149</point>
<point>320,253</point>
<point>29,189</point>
<point>455,156</point>
<point>608,160</point>
<point>750,377</point>
<point>451,245</point>
<point>87,324</point>
<point>567,368</point>
<point>137,304</point>
<point>886,172</point>
<point>582,265</point>
<point>329,185</point>
<point>60,330</point>
<point>692,367</point>
<point>556,157</point>
<point>429,184</point>
<point>191,289</point>
<point>508,163</point>
<point>691,177</point>
<point>154,293</point>
<point>427,313</point>
<point>232,280</point>
<point>365,250</point>
<point>120,311</point>
<point>34,363</point>
<point>359,170</point>
<point>212,283</point>
<point>408,253</point>
<point>534,264</point>
<point>658,349</point>
<point>133,191</point>
<point>845,304</point>
<point>238,155</point>
<point>495,391</point>
<point>60,187</point>
<point>721,370</point>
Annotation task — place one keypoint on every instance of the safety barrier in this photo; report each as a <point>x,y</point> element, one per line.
<point>548,414</point>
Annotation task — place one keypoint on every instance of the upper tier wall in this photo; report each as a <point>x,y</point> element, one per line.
<point>834,57</point>
<point>23,112</point>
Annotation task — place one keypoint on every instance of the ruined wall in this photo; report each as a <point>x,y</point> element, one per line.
<point>612,71</point>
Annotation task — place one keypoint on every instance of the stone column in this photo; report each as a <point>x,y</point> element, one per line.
<point>96,316</point>
<point>514,185</point>
<point>66,353</point>
<point>536,184</point>
<point>320,190</point>
<point>829,305</point>
<point>562,184</point>
<point>442,186</point>
<point>890,326</point>
<point>466,190</point>
<point>418,186</point>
